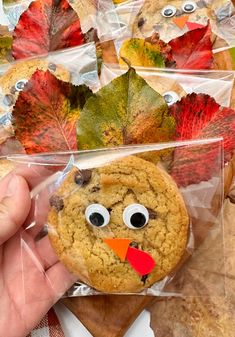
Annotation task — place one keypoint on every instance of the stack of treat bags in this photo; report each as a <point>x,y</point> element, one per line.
<point>84,75</point>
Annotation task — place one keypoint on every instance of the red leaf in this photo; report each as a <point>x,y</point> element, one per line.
<point>47,25</point>
<point>193,50</point>
<point>192,113</point>
<point>198,117</point>
<point>46,113</point>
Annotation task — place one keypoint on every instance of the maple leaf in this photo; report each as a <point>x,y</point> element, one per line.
<point>46,113</point>
<point>126,111</point>
<point>47,25</point>
<point>139,52</point>
<point>198,116</point>
<point>193,50</point>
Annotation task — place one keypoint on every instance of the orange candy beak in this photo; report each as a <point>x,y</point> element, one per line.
<point>181,21</point>
<point>119,246</point>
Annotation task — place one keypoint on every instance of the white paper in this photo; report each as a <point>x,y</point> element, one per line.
<point>72,327</point>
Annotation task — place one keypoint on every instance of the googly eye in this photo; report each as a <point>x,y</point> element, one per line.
<point>171,97</point>
<point>20,84</point>
<point>168,11</point>
<point>135,216</point>
<point>189,6</point>
<point>97,215</point>
<point>8,100</point>
<point>52,67</point>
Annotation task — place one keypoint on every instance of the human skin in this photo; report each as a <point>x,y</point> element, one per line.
<point>20,310</point>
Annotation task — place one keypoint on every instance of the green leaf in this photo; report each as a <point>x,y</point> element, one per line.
<point>126,111</point>
<point>139,52</point>
<point>5,49</point>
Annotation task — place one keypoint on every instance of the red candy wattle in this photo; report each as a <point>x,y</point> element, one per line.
<point>141,261</point>
<point>193,25</point>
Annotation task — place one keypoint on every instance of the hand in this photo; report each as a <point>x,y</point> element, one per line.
<point>28,289</point>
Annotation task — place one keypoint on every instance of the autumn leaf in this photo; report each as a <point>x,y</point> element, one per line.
<point>47,25</point>
<point>139,52</point>
<point>198,116</point>
<point>5,49</point>
<point>5,45</point>
<point>193,50</point>
<point>165,48</point>
<point>192,113</point>
<point>126,111</point>
<point>46,113</point>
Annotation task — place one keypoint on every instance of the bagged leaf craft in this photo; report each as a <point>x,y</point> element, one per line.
<point>47,110</point>
<point>56,25</point>
<point>118,222</point>
<point>182,34</point>
<point>172,19</point>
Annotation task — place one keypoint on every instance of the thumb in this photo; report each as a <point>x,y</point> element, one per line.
<point>14,207</point>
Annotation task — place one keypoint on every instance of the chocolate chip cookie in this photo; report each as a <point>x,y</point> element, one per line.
<point>119,228</point>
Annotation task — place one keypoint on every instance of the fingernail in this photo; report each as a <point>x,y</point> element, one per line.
<point>12,186</point>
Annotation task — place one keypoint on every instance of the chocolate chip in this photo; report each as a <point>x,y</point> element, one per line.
<point>13,90</point>
<point>78,178</point>
<point>152,214</point>
<point>95,189</point>
<point>144,278</point>
<point>57,202</point>
<point>52,67</point>
<point>8,100</point>
<point>83,177</point>
<point>141,22</point>
<point>134,244</point>
<point>86,176</point>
